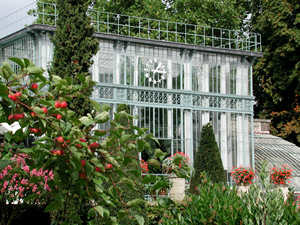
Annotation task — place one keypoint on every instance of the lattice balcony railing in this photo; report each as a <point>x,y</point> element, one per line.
<point>139,27</point>
<point>141,96</point>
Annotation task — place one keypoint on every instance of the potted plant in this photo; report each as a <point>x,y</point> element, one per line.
<point>179,169</point>
<point>156,185</point>
<point>280,177</point>
<point>243,178</point>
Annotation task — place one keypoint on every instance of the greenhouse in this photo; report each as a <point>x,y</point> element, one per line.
<point>174,77</point>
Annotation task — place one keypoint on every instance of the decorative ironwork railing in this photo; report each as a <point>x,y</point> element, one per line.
<point>164,98</point>
<point>139,27</point>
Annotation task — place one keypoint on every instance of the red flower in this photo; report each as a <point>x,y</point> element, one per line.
<point>242,175</point>
<point>144,166</point>
<point>83,163</point>
<point>280,175</point>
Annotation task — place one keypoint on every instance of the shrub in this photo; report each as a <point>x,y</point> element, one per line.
<point>266,205</point>
<point>208,159</point>
<point>91,166</point>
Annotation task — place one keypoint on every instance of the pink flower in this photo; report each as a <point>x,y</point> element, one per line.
<point>24,181</point>
<point>46,179</point>
<point>26,169</point>
<point>5,184</point>
<point>33,172</point>
<point>46,187</point>
<point>34,188</point>
<point>4,172</point>
<point>51,175</point>
<point>21,189</point>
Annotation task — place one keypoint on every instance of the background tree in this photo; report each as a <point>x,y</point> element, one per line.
<point>74,47</point>
<point>277,73</point>
<point>208,159</point>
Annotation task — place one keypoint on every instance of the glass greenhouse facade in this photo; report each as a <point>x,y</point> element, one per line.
<point>172,87</point>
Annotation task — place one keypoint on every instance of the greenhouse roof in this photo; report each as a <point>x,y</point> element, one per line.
<point>139,28</point>
<point>277,152</point>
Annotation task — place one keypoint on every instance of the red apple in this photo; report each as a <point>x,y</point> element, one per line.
<point>82,175</point>
<point>78,145</point>
<point>13,97</point>
<point>58,116</point>
<point>34,86</point>
<point>34,130</point>
<point>60,139</point>
<point>57,104</point>
<point>45,110</point>
<point>97,169</point>
<point>63,104</point>
<point>94,145</point>
<point>108,166</point>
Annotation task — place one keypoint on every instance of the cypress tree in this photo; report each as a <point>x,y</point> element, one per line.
<point>208,159</point>
<point>74,47</point>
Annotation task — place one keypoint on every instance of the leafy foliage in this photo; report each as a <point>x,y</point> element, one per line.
<point>207,159</point>
<point>220,204</point>
<point>265,205</point>
<point>74,47</point>
<point>91,166</point>
<point>276,74</point>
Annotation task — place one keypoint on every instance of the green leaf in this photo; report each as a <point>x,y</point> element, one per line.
<point>34,70</point>
<point>3,90</point>
<point>4,163</point>
<point>6,71</point>
<point>139,219</point>
<point>100,210</point>
<point>26,62</point>
<point>86,121</point>
<point>26,150</point>
<point>136,202</point>
<point>18,61</point>
<point>100,132</point>
<point>37,110</point>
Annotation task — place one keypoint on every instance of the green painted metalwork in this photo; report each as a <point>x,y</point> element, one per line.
<point>173,91</point>
<point>160,98</point>
<point>146,28</point>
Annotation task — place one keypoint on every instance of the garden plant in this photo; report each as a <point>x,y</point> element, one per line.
<point>90,165</point>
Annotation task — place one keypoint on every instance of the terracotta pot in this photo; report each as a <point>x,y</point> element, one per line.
<point>177,191</point>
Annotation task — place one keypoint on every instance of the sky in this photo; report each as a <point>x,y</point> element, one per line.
<point>13,15</point>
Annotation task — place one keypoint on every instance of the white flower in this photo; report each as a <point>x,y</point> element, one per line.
<point>5,127</point>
